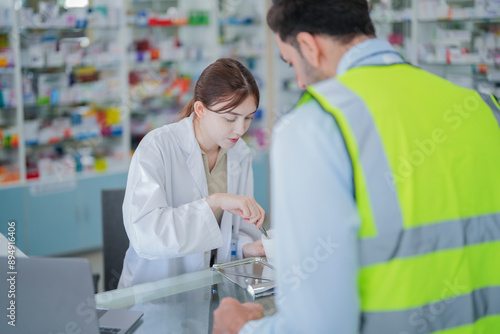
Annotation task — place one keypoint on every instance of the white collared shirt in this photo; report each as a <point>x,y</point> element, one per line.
<point>314,212</point>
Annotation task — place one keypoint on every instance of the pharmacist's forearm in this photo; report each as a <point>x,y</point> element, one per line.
<point>213,202</point>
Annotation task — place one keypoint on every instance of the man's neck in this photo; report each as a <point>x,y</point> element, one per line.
<point>337,50</point>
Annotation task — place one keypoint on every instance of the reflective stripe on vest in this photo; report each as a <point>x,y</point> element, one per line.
<point>493,103</point>
<point>428,195</point>
<point>455,312</point>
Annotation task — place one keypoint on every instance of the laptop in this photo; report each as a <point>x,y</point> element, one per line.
<point>55,296</point>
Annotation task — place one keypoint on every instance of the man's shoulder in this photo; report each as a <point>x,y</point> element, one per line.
<point>306,114</point>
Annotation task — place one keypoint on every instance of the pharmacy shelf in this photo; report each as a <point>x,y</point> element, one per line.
<point>138,2</point>
<point>73,140</point>
<point>100,103</point>
<point>11,152</point>
<point>159,26</point>
<point>99,66</point>
<point>239,23</point>
<point>84,175</point>
<point>190,65</point>
<point>109,66</point>
<point>70,205</point>
<point>145,65</point>
<point>7,70</point>
<point>10,148</point>
<point>455,64</point>
<point>420,35</point>
<point>158,89</point>
<point>66,29</point>
<point>158,64</point>
<point>473,20</point>
<point>392,21</point>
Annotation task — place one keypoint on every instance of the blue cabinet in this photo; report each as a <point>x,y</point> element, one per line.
<point>52,215</point>
<point>66,217</point>
<point>260,165</point>
<point>60,217</point>
<point>89,192</point>
<point>12,202</point>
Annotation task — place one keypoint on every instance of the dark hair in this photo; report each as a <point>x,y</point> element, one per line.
<point>226,80</point>
<point>342,19</point>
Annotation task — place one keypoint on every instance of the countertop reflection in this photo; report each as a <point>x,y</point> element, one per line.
<point>181,304</point>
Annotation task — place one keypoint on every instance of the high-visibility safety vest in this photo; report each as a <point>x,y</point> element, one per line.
<point>425,155</point>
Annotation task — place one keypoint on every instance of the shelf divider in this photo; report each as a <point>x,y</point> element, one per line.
<point>15,40</point>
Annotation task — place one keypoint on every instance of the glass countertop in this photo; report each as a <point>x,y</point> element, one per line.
<point>180,304</point>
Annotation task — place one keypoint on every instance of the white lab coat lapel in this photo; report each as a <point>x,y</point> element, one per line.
<point>187,141</point>
<point>234,157</point>
<point>184,133</point>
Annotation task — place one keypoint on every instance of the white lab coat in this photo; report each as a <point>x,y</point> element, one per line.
<point>171,227</point>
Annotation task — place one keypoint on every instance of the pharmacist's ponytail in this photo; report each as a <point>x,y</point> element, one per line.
<point>187,110</point>
<point>226,80</point>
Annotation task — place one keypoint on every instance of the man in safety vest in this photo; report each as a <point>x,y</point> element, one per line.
<point>385,189</point>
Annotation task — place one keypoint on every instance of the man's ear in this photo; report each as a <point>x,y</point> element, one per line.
<point>199,109</point>
<point>309,48</point>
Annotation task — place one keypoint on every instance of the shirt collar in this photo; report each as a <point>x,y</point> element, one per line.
<point>373,52</point>
<point>221,153</point>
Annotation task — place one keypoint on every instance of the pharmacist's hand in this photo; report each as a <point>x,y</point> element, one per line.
<point>231,316</point>
<point>253,249</point>
<point>243,206</point>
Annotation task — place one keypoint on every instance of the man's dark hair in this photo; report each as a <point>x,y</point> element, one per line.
<point>341,19</point>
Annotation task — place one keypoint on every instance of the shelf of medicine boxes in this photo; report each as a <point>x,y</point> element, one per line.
<point>6,70</point>
<point>157,85</point>
<point>72,140</point>
<point>398,33</point>
<point>464,42</point>
<point>9,131</point>
<point>461,49</point>
<point>9,144</point>
<point>394,25</point>
<point>464,19</point>
<point>239,39</point>
<point>157,59</point>
<point>242,36</point>
<point>157,92</point>
<point>156,44</point>
<point>148,18</point>
<point>72,115</point>
<point>288,92</point>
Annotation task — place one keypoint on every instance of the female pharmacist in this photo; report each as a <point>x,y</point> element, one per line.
<point>190,183</point>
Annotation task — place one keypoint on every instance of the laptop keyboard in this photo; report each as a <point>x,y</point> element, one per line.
<point>100,312</point>
<point>107,330</point>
